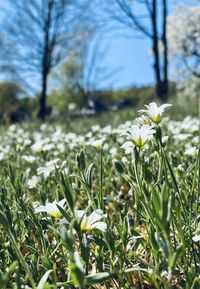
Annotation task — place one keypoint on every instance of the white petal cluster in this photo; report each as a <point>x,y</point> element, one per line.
<point>47,148</point>
<point>51,208</point>
<point>196,238</point>
<point>91,222</point>
<point>183,36</point>
<point>155,112</point>
<point>191,151</point>
<point>29,159</point>
<point>33,182</point>
<point>48,168</point>
<point>138,136</point>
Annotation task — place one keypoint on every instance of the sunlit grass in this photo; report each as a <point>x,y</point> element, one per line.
<point>77,212</point>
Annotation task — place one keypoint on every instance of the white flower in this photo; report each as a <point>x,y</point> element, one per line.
<point>181,136</point>
<point>191,151</point>
<point>143,119</point>
<point>38,147</point>
<point>51,208</point>
<point>180,167</point>
<point>45,171</point>
<point>95,128</point>
<point>91,222</point>
<point>154,112</point>
<point>49,167</point>
<point>113,151</point>
<point>29,159</point>
<point>139,136</point>
<point>196,238</point>
<point>2,155</point>
<point>27,142</point>
<point>97,143</point>
<point>33,182</point>
<point>165,139</point>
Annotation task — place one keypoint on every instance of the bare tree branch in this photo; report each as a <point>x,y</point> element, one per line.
<point>41,33</point>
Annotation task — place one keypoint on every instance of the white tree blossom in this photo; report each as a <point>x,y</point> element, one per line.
<point>183,33</point>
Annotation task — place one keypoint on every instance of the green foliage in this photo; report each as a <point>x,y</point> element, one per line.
<point>71,92</point>
<point>28,106</point>
<point>136,95</point>
<point>9,92</point>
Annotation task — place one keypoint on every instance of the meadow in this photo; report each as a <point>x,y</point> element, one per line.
<point>115,206</point>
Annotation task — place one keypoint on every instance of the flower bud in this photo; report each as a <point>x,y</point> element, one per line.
<point>119,166</point>
<point>117,157</point>
<point>81,160</point>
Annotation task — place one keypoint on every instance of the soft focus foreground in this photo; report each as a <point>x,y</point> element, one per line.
<point>117,207</point>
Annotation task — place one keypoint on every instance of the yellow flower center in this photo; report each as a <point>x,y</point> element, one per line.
<point>85,225</point>
<point>56,214</point>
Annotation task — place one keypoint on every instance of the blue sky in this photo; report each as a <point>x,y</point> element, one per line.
<point>132,56</point>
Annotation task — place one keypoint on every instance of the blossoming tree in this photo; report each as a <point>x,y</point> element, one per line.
<point>183,33</point>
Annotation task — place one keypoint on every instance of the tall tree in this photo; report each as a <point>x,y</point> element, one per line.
<point>148,18</point>
<point>41,32</point>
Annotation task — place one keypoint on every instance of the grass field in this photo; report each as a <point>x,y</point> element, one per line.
<point>115,205</point>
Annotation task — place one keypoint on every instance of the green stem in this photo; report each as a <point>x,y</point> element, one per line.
<point>101,180</point>
<point>175,184</point>
<point>198,186</point>
<point>88,191</point>
<point>192,193</point>
<point>22,260</point>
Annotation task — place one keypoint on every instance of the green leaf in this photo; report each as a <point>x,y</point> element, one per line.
<point>153,240</point>
<point>88,175</point>
<point>3,221</point>
<point>163,245</point>
<point>85,250</point>
<point>156,203</point>
<point>98,278</point>
<point>175,256</point>
<point>101,243</point>
<point>77,275</point>
<point>66,191</point>
<point>64,213</point>
<point>43,280</point>
<point>81,163</point>
<point>119,166</point>
<point>67,237</point>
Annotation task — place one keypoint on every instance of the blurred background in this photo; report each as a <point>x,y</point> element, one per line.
<point>64,60</point>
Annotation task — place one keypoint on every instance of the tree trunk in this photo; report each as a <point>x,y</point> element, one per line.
<point>46,62</point>
<point>161,73</point>
<point>43,96</point>
<point>165,52</point>
<point>156,55</point>
<point>159,84</point>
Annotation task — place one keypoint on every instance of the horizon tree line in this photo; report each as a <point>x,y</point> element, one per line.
<point>38,35</point>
